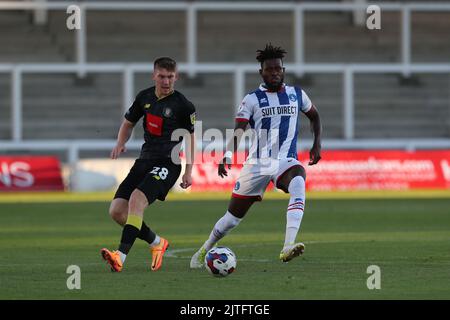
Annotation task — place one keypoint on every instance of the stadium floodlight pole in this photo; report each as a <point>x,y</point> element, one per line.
<point>191,37</point>
<point>299,38</point>
<point>80,38</point>
<point>40,14</point>
<point>72,160</point>
<point>239,87</point>
<point>349,107</point>
<point>359,15</point>
<point>16,96</point>
<point>128,89</point>
<point>406,39</point>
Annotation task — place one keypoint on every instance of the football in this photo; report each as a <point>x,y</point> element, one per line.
<point>220,261</point>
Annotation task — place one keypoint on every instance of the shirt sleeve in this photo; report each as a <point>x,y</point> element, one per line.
<point>135,112</point>
<point>307,104</point>
<point>245,110</point>
<point>188,121</point>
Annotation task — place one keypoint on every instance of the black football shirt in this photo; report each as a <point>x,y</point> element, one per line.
<point>161,117</point>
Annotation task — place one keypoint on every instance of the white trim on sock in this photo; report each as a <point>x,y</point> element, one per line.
<point>123,256</point>
<point>156,241</point>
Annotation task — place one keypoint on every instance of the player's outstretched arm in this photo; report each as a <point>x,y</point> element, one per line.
<point>126,128</point>
<point>231,148</point>
<point>316,128</point>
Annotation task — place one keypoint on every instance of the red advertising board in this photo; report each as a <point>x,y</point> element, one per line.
<point>30,173</point>
<point>380,170</point>
<point>353,170</point>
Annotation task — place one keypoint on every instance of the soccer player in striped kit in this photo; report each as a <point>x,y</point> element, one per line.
<point>272,111</point>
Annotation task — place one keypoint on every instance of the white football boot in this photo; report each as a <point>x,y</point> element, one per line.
<point>198,259</point>
<point>291,251</point>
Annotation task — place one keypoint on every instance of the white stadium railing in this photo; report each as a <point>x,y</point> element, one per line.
<point>192,67</point>
<point>192,8</point>
<point>238,70</point>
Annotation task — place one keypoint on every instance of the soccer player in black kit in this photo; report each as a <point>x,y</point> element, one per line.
<point>164,110</point>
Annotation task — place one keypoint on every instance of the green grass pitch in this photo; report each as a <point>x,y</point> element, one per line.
<point>409,239</point>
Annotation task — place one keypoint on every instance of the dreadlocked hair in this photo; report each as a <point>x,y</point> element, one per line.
<point>270,52</point>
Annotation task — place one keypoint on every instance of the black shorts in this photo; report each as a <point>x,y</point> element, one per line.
<point>153,177</point>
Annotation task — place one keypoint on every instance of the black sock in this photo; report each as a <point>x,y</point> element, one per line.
<point>129,235</point>
<point>146,233</point>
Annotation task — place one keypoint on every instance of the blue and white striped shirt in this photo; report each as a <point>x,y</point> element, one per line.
<point>275,118</point>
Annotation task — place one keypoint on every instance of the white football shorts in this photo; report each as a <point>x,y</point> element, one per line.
<point>256,175</point>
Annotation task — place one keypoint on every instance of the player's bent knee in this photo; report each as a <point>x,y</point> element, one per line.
<point>283,187</point>
<point>239,207</point>
<point>138,199</point>
<point>113,213</point>
<point>119,217</point>
<point>118,211</point>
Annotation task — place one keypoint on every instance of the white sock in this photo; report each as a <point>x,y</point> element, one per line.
<point>156,241</point>
<point>222,227</point>
<point>123,256</point>
<point>295,208</point>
